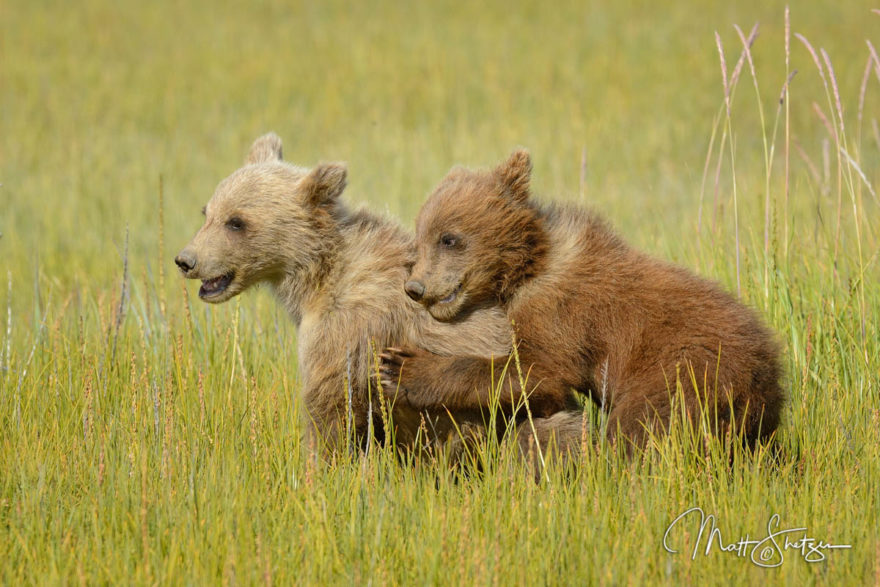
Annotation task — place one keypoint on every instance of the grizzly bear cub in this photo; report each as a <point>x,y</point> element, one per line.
<point>589,312</point>
<point>338,273</point>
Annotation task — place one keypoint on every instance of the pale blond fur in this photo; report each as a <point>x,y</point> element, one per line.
<point>339,274</point>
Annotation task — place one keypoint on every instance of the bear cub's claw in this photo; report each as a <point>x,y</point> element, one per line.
<point>391,361</point>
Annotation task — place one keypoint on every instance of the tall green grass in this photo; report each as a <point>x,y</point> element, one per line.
<point>149,438</point>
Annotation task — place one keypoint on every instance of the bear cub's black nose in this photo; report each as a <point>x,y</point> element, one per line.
<point>414,289</point>
<point>185,262</point>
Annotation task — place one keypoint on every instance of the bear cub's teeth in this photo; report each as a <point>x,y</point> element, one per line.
<point>212,287</point>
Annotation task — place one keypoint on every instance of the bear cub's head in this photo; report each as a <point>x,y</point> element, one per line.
<point>264,222</point>
<point>478,236</point>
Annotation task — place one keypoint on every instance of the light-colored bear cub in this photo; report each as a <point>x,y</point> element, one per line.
<point>339,273</point>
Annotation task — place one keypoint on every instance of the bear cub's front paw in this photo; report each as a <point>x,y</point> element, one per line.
<point>397,382</point>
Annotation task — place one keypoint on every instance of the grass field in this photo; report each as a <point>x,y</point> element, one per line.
<point>148,438</point>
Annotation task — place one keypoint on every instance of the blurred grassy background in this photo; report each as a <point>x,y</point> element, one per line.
<point>101,98</point>
<point>117,463</point>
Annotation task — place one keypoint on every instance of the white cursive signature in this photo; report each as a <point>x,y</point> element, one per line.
<point>767,552</point>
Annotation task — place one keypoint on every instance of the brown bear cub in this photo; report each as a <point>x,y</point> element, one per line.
<point>338,273</point>
<point>589,312</point>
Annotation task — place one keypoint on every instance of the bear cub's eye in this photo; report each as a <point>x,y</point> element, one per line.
<point>235,223</point>
<point>449,241</point>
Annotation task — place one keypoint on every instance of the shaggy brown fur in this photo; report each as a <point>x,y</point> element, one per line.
<point>590,314</point>
<point>339,275</point>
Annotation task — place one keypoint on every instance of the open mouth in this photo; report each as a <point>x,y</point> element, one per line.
<point>451,297</point>
<point>216,286</point>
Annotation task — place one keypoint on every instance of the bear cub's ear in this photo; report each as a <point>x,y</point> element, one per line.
<point>324,183</point>
<point>515,175</point>
<point>265,149</point>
